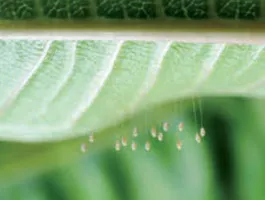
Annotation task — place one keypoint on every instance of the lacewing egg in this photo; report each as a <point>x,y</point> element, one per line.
<point>179,145</point>
<point>124,141</point>
<point>117,145</point>
<point>147,146</point>
<point>165,126</point>
<point>135,132</point>
<point>198,138</point>
<point>134,146</point>
<point>91,138</point>
<point>153,132</point>
<point>202,132</point>
<point>160,136</point>
<point>181,126</point>
<point>83,148</point>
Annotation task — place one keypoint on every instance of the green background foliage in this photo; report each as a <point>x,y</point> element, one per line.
<point>55,93</point>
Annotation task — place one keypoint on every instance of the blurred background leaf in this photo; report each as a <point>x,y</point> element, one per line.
<point>228,164</point>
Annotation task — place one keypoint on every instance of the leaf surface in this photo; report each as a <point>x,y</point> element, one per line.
<point>54,90</point>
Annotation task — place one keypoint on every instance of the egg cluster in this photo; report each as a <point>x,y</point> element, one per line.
<point>159,135</point>
<point>155,133</point>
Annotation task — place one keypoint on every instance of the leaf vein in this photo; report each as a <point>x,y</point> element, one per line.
<point>27,78</point>
<point>254,58</point>
<point>209,67</point>
<point>65,79</point>
<point>84,106</point>
<point>152,75</point>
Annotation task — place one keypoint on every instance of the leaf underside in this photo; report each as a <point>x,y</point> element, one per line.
<point>53,90</point>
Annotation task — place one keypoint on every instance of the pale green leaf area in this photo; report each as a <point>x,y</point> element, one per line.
<point>54,93</point>
<point>52,90</point>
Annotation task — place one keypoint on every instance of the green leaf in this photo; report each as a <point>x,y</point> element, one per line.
<point>179,20</point>
<point>127,9</point>
<point>55,90</point>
